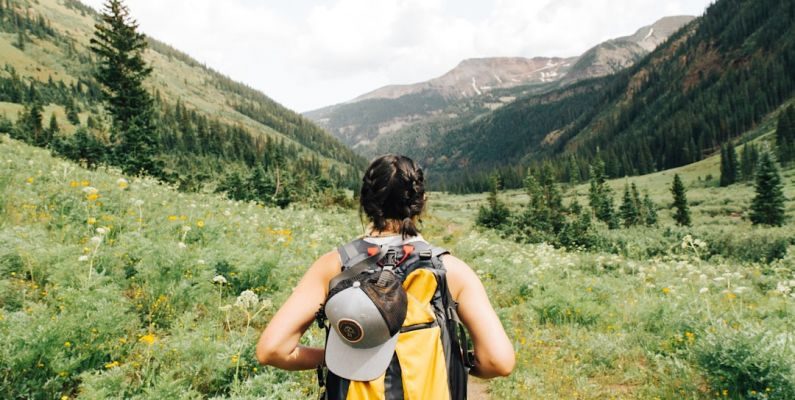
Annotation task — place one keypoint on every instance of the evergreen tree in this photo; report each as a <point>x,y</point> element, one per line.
<point>728,165</point>
<point>600,195</point>
<point>785,135</point>
<point>682,214</point>
<point>29,127</point>
<point>649,211</point>
<point>629,209</point>
<point>122,70</point>
<point>51,130</point>
<point>72,112</point>
<point>20,43</point>
<point>496,213</point>
<point>767,207</point>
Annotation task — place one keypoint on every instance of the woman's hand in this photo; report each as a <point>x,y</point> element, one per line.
<point>494,355</point>
<point>278,344</point>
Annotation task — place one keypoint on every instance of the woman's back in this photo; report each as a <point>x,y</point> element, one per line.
<point>393,197</point>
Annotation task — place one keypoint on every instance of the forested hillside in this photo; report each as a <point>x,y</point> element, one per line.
<point>211,131</point>
<point>709,83</point>
<point>371,122</point>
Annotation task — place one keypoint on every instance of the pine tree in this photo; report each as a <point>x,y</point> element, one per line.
<point>728,165</point>
<point>682,214</point>
<point>20,43</point>
<point>496,213</point>
<point>72,112</point>
<point>785,135</point>
<point>122,70</point>
<point>629,209</point>
<point>29,127</point>
<point>600,195</point>
<point>649,211</point>
<point>52,130</point>
<point>767,207</point>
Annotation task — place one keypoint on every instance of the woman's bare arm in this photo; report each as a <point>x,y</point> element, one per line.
<point>494,355</point>
<point>278,345</point>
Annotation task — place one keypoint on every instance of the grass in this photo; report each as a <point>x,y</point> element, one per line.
<point>131,311</point>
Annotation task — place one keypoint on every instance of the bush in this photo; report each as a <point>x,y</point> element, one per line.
<point>748,362</point>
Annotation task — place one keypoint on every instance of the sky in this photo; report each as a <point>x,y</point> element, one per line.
<point>310,54</point>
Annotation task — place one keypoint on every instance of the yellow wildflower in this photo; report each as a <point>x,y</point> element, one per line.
<point>74,184</point>
<point>200,223</point>
<point>148,339</point>
<point>666,290</point>
<point>172,217</point>
<point>112,364</point>
<point>91,221</point>
<point>85,183</point>
<point>67,344</point>
<point>123,183</point>
<point>29,180</point>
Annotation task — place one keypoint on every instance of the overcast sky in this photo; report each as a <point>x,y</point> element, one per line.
<point>308,54</point>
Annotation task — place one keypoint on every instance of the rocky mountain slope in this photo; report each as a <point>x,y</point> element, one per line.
<point>477,86</point>
<point>708,84</point>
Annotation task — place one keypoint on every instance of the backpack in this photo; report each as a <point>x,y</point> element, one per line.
<point>431,359</point>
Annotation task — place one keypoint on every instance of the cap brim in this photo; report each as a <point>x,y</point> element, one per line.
<point>358,364</point>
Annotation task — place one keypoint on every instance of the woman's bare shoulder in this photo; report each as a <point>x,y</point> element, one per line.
<point>459,274</point>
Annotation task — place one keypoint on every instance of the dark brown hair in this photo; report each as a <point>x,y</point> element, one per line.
<point>393,188</point>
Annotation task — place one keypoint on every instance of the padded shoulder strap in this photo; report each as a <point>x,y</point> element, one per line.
<point>438,251</point>
<point>356,258</point>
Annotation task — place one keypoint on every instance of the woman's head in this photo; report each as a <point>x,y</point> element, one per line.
<point>393,192</point>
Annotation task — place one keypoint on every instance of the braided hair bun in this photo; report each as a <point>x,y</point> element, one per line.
<point>393,189</point>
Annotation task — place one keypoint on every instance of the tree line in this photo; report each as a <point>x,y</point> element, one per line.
<point>125,125</point>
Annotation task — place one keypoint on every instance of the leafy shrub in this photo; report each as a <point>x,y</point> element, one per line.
<point>748,362</point>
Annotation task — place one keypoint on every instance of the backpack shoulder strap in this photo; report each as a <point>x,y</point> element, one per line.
<point>357,256</point>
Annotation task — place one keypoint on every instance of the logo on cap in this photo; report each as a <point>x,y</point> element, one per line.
<point>350,330</point>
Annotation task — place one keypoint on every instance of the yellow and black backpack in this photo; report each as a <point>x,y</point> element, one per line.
<point>431,360</point>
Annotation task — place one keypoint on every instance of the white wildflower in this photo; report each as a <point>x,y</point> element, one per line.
<point>138,202</point>
<point>82,258</point>
<point>740,289</point>
<point>186,228</point>
<point>783,288</point>
<point>219,279</point>
<point>247,299</point>
<point>704,290</point>
<point>96,240</point>
<point>225,308</point>
<point>102,230</point>
<point>182,245</point>
<point>201,262</point>
<point>90,190</point>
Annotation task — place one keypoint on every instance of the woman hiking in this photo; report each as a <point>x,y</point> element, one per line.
<point>391,304</point>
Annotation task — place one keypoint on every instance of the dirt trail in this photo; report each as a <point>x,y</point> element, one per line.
<point>477,389</point>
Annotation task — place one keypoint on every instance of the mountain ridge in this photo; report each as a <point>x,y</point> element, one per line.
<point>475,86</point>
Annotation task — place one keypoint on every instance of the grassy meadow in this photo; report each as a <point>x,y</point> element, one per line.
<point>118,287</point>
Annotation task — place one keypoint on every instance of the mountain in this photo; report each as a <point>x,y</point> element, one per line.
<point>616,54</point>
<point>708,83</point>
<point>475,87</point>
<point>209,125</point>
<point>475,76</point>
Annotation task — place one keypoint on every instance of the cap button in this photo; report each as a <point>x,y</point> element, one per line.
<point>357,284</point>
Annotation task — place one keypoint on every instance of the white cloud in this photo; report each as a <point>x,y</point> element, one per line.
<point>307,56</point>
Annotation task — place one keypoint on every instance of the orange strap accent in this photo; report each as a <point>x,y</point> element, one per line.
<point>371,251</point>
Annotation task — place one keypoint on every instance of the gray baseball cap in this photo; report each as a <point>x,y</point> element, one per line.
<point>365,318</point>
